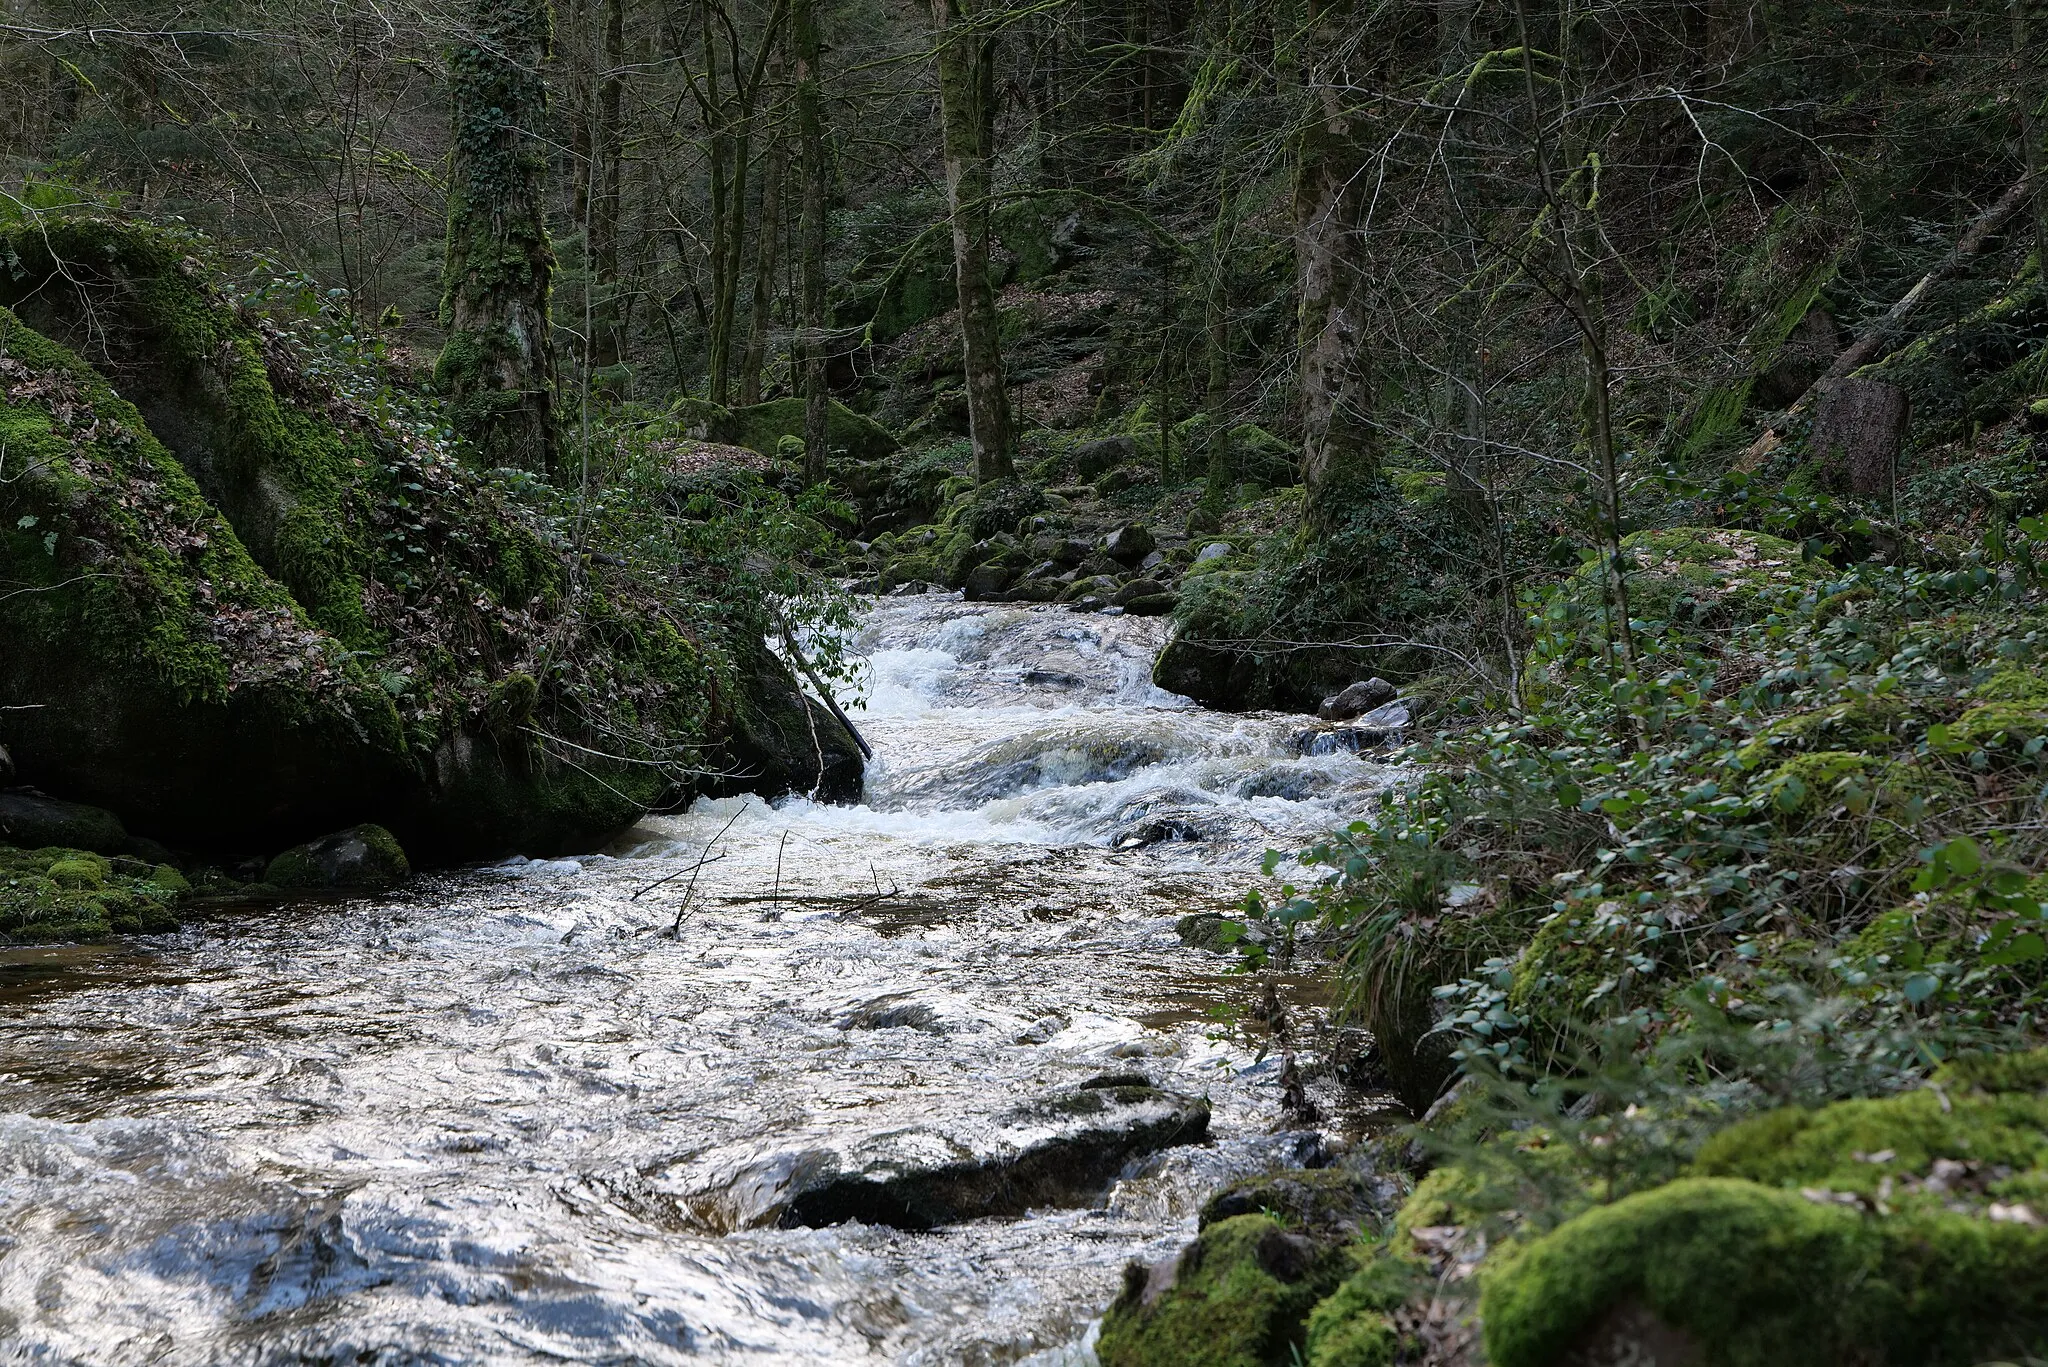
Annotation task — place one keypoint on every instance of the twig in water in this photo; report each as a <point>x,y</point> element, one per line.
<point>675,932</point>
<point>670,878</point>
<point>775,903</point>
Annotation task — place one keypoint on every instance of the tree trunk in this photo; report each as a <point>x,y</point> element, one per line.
<point>606,159</point>
<point>1338,445</point>
<point>766,231</point>
<point>966,111</point>
<point>2030,49</point>
<point>1858,427</point>
<point>810,136</point>
<point>498,366</point>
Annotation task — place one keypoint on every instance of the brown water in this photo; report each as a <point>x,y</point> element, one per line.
<point>491,1119</point>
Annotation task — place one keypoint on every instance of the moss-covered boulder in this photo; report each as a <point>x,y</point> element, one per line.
<point>55,893</point>
<point>31,819</point>
<point>152,666</point>
<point>762,427</point>
<point>1905,1229</point>
<point>1238,1296</point>
<point>363,858</point>
<point>267,598</point>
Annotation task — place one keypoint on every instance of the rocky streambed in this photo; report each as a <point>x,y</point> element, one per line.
<point>906,1081</point>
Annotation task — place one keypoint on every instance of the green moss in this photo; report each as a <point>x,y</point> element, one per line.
<point>1756,1275</point>
<point>55,894</point>
<point>763,426</point>
<point>1577,968</point>
<point>1241,1295</point>
<point>2014,686</point>
<point>2026,1071</point>
<point>2014,727</point>
<point>1863,723</point>
<point>1353,1327</point>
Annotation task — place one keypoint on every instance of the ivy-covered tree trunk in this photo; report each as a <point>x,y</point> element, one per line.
<point>810,136</point>
<point>1338,445</point>
<point>498,365</point>
<point>966,65</point>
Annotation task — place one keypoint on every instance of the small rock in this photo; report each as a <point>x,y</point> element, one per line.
<point>1152,561</point>
<point>890,1013</point>
<point>1137,588</point>
<point>1048,569</point>
<point>1129,544</point>
<point>1072,552</point>
<point>1215,550</point>
<point>1356,700</point>
<point>1087,602</point>
<point>1101,567</point>
<point>1099,585</point>
<point>31,820</point>
<point>1036,591</point>
<point>361,859</point>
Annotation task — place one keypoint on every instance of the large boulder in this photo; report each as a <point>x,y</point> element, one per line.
<point>785,741</point>
<point>267,599</point>
<point>31,820</point>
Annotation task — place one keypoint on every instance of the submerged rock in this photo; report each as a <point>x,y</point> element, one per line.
<point>1058,1150</point>
<point>363,858</point>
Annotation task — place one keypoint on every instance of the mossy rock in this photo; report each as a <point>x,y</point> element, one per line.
<point>1239,1296</point>
<point>1744,1274</point>
<point>1577,971</point>
<point>54,894</point>
<point>763,426</point>
<point>306,607</point>
<point>30,819</point>
<point>1865,723</point>
<point>364,858</point>
<point>2013,686</point>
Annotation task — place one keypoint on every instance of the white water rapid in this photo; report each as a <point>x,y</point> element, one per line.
<point>497,1118</point>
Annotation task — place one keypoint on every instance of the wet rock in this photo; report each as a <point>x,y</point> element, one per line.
<point>890,1013</point>
<point>1129,544</point>
<point>785,742</point>
<point>1359,698</point>
<point>1045,569</point>
<point>1100,566</point>
<point>1152,561</point>
<point>1329,1202</point>
<point>1137,588</point>
<point>31,820</point>
<point>1062,1149</point>
<point>1380,727</point>
<point>1072,552</point>
<point>1087,602</point>
<point>361,859</point>
<point>1208,930</point>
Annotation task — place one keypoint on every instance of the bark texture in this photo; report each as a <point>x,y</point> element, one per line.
<point>810,134</point>
<point>966,69</point>
<point>1338,448</point>
<point>498,365</point>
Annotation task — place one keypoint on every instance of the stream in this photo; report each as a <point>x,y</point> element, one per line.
<point>500,1116</point>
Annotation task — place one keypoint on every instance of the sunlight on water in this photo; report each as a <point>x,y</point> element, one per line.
<point>499,1117</point>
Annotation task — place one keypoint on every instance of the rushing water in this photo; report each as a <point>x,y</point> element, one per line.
<point>485,1120</point>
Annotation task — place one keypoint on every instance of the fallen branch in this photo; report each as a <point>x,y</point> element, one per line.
<point>1866,348</point>
<point>789,640</point>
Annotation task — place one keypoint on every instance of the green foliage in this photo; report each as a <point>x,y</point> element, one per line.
<point>64,894</point>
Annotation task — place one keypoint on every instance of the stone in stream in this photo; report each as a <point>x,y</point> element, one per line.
<point>361,859</point>
<point>1359,698</point>
<point>1060,1149</point>
<point>1137,588</point>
